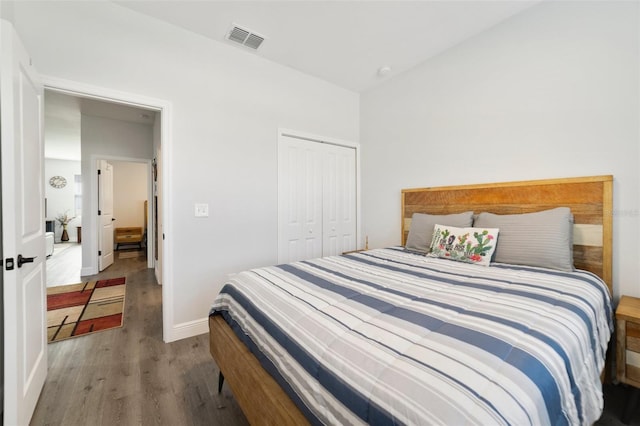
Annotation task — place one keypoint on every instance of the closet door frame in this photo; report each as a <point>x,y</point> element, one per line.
<point>288,133</point>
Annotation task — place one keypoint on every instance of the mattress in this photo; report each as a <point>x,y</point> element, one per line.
<point>387,336</point>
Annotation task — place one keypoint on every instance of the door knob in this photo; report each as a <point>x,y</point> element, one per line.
<point>23,260</point>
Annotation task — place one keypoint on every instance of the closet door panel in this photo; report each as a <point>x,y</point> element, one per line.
<point>299,200</point>
<point>312,212</point>
<point>339,200</point>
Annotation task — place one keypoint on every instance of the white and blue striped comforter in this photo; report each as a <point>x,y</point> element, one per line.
<point>390,337</point>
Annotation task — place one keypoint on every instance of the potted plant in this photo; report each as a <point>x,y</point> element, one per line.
<point>64,220</point>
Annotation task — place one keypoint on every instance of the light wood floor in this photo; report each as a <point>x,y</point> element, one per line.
<point>64,265</point>
<point>129,376</point>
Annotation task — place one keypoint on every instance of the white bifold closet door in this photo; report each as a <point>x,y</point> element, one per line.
<point>316,199</point>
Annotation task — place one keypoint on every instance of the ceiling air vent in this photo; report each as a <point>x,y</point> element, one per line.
<point>245,37</point>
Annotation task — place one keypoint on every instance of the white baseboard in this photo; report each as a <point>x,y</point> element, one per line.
<point>187,329</point>
<point>89,270</point>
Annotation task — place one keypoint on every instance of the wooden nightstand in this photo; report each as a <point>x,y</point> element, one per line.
<point>628,349</point>
<point>628,343</point>
<point>129,235</point>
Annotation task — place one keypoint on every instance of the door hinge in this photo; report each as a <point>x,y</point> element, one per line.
<point>99,172</point>
<point>99,212</point>
<point>163,236</point>
<point>99,253</point>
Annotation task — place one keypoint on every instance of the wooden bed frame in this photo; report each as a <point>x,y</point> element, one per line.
<point>591,201</point>
<point>589,198</point>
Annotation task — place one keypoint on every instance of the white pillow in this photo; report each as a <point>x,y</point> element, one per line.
<point>470,245</point>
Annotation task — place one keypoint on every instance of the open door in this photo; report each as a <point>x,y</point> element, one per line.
<point>23,229</point>
<point>105,214</point>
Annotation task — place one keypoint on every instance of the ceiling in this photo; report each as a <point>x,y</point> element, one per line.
<point>62,115</point>
<point>343,42</point>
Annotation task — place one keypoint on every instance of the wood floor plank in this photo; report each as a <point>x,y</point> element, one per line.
<point>129,376</point>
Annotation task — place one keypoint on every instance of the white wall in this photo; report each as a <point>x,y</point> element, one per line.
<point>550,93</point>
<point>106,138</point>
<point>130,183</point>
<point>62,200</point>
<point>227,105</point>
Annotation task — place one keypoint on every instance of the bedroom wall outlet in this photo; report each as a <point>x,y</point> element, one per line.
<point>202,210</point>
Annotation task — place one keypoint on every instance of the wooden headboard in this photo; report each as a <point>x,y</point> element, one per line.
<point>589,198</point>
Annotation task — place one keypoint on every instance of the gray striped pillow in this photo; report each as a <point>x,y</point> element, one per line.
<point>422,224</point>
<point>542,239</point>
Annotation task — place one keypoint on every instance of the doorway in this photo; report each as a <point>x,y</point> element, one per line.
<point>77,129</point>
<point>130,217</point>
<point>62,188</point>
<point>161,145</point>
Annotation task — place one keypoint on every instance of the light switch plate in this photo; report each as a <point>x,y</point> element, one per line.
<point>201,210</point>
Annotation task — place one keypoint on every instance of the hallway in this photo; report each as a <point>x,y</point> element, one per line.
<point>128,375</point>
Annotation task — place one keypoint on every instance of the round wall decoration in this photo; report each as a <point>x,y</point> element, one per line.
<point>58,182</point>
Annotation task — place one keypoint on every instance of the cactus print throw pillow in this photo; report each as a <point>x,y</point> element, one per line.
<point>471,245</point>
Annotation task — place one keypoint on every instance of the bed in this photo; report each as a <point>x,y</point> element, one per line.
<point>415,339</point>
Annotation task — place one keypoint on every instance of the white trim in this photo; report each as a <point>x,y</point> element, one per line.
<point>360,243</point>
<point>282,132</point>
<point>93,227</point>
<point>188,329</point>
<point>170,332</point>
<point>316,138</point>
<point>88,91</point>
<point>89,270</point>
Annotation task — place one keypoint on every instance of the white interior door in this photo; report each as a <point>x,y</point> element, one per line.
<point>299,200</point>
<point>23,228</point>
<point>339,200</point>
<point>317,199</point>
<point>105,214</point>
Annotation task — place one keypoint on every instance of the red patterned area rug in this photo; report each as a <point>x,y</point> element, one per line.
<point>79,309</point>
